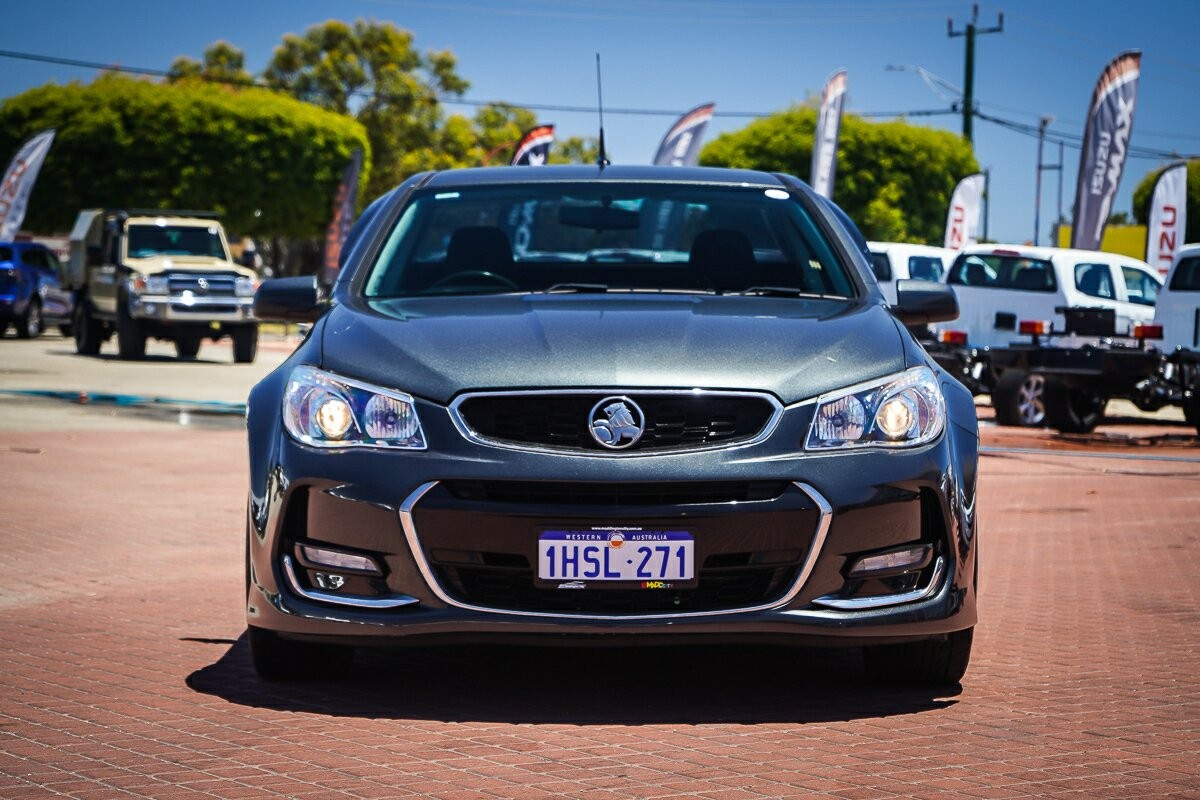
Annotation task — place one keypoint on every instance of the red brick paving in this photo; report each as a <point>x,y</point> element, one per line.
<point>124,671</point>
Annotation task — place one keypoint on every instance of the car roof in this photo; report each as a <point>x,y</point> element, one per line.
<point>1048,253</point>
<point>908,247</point>
<point>579,173</point>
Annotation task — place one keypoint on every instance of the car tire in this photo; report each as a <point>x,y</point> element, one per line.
<point>1191,406</point>
<point>86,330</point>
<point>131,339</point>
<point>1072,410</point>
<point>278,659</point>
<point>186,347</point>
<point>1019,399</point>
<point>940,662</point>
<point>29,326</point>
<point>245,343</point>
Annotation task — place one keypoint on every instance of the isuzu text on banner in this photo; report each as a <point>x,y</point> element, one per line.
<point>1105,146</point>
<point>681,146</point>
<point>825,138</point>
<point>962,220</point>
<point>18,183</point>
<point>1167,230</point>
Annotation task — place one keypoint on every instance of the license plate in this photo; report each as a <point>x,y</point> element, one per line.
<point>650,558</point>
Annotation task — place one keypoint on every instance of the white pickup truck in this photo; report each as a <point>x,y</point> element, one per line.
<point>1000,287</point>
<point>1152,364</point>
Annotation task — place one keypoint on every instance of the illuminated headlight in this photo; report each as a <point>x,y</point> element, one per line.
<point>326,410</point>
<point>903,410</point>
<point>245,287</point>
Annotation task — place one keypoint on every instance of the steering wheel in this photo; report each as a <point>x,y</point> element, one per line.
<point>464,275</point>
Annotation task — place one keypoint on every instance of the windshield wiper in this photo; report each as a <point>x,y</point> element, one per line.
<point>578,287</point>
<point>778,291</point>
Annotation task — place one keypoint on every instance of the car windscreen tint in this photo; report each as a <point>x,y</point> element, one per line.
<point>1095,280</point>
<point>1140,287</point>
<point>925,268</point>
<point>606,237</point>
<point>1187,275</point>
<point>1003,271</point>
<point>148,241</point>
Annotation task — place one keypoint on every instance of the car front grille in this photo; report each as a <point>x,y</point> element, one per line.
<point>202,284</point>
<point>505,585</point>
<point>673,420</point>
<point>616,494</point>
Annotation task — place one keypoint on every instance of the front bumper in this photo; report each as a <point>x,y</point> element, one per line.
<point>191,308</point>
<point>455,528</point>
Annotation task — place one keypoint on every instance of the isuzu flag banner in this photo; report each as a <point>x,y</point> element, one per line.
<point>18,183</point>
<point>343,217</point>
<point>825,138</point>
<point>681,146</point>
<point>534,147</point>
<point>1105,145</point>
<point>962,220</point>
<point>1168,217</point>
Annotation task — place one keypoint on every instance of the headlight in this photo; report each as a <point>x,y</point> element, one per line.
<point>326,410</point>
<point>153,284</point>
<point>903,410</point>
<point>245,287</point>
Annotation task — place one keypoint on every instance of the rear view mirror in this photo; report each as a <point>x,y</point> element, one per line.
<point>923,302</point>
<point>599,218</point>
<point>289,300</point>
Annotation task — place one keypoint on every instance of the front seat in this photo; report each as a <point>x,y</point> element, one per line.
<point>478,248</point>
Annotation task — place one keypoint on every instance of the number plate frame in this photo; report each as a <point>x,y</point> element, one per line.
<point>609,557</point>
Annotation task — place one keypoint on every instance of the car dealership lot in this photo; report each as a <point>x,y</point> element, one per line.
<point>125,672</point>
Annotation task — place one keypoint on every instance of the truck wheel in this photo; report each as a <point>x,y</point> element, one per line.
<point>1018,399</point>
<point>1071,410</point>
<point>1191,407</point>
<point>86,329</point>
<point>245,343</point>
<point>187,347</point>
<point>29,326</point>
<point>131,339</point>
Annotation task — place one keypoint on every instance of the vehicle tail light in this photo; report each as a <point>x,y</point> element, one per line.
<point>953,337</point>
<point>1036,327</point>
<point>1141,331</point>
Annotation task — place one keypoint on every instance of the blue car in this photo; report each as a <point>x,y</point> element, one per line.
<point>31,292</point>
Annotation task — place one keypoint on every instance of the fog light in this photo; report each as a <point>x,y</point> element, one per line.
<point>338,560</point>
<point>893,561</point>
<point>327,581</point>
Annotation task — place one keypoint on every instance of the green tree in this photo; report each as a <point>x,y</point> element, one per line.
<point>268,164</point>
<point>223,63</point>
<point>575,150</point>
<point>1142,196</point>
<point>894,179</point>
<point>372,71</point>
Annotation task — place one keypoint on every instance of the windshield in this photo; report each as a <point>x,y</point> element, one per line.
<point>1003,271</point>
<point>147,241</point>
<point>539,237</point>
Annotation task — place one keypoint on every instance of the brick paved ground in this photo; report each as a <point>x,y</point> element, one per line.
<point>124,671</point>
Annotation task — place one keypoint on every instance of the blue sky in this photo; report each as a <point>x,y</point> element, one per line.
<point>752,56</point>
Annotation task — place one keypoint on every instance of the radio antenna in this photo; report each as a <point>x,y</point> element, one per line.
<point>602,157</point>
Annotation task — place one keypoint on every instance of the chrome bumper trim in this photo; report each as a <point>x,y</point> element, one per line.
<point>356,601</point>
<point>414,544</point>
<point>881,601</point>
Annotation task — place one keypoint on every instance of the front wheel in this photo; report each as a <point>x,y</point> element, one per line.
<point>278,659</point>
<point>1072,410</point>
<point>1018,399</point>
<point>131,338</point>
<point>29,326</point>
<point>245,343</point>
<point>930,663</point>
<point>89,334</point>
<point>1191,406</point>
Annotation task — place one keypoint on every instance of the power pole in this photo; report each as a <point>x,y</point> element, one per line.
<point>969,32</point>
<point>1042,166</point>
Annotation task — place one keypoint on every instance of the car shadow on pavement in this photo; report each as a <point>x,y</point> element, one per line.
<point>583,686</point>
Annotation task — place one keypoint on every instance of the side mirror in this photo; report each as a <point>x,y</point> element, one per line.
<point>923,302</point>
<point>289,300</point>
